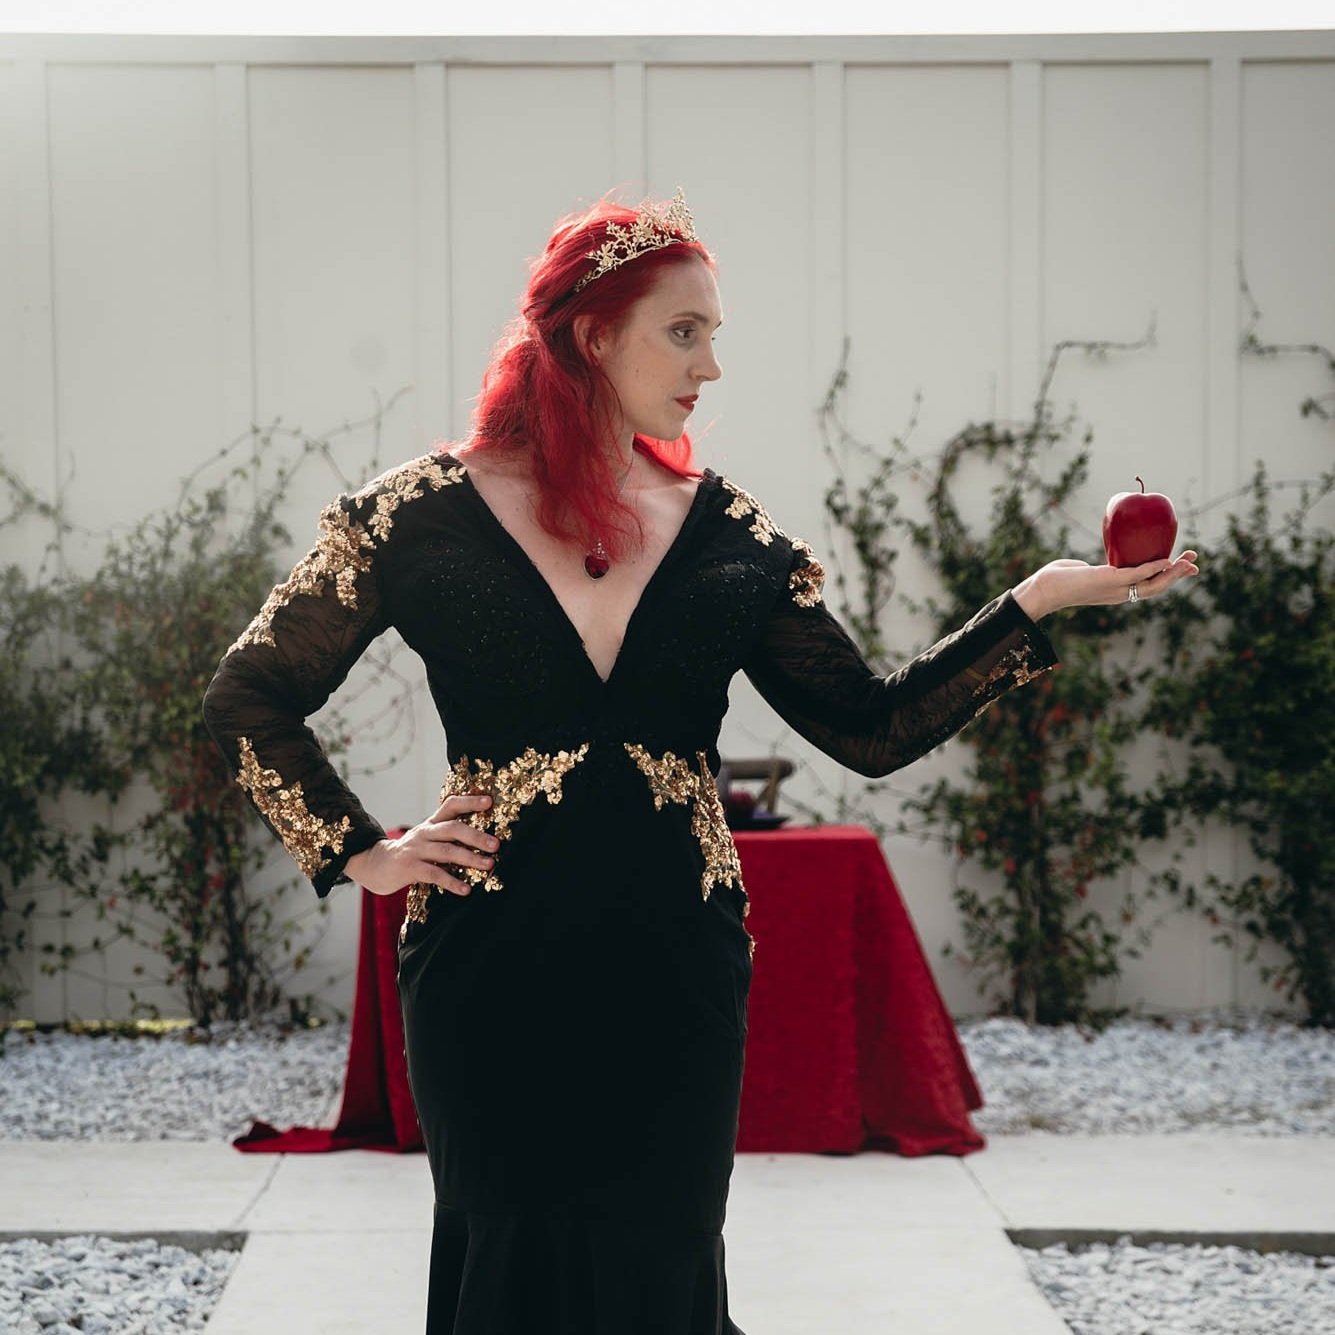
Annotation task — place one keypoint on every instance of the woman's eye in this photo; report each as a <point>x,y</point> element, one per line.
<point>685,329</point>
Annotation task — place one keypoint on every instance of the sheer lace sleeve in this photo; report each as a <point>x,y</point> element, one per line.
<point>813,675</point>
<point>294,654</point>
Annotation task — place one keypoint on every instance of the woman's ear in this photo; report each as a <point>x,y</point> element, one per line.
<point>586,338</point>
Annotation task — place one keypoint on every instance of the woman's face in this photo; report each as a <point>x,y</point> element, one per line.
<point>663,352</point>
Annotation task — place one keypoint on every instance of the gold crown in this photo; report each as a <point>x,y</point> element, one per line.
<point>653,227</point>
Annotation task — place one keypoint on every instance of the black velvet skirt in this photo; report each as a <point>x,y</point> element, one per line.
<point>575,1047</point>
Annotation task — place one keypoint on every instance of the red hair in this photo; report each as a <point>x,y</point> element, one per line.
<point>540,392</point>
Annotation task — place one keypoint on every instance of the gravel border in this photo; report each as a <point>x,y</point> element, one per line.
<point>1231,1072</point>
<point>185,1085</point>
<point>1179,1289</point>
<point>89,1284</point>
<point>1227,1072</point>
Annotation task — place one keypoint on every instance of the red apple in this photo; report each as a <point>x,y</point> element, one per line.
<point>1139,526</point>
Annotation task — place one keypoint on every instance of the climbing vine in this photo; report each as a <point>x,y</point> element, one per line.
<point>1044,806</point>
<point>1233,672</point>
<point>102,677</point>
<point>1247,695</point>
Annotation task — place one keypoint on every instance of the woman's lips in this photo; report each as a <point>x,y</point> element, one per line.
<point>688,404</point>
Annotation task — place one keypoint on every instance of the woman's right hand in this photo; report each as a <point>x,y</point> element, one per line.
<point>418,855</point>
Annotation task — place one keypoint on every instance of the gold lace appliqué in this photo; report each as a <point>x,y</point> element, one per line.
<point>343,548</point>
<point>763,528</point>
<point>807,581</point>
<point>404,483</point>
<point>1013,668</point>
<point>340,554</point>
<point>512,787</point>
<point>304,835</point>
<point>671,779</point>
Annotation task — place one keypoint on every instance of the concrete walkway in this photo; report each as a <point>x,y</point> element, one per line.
<point>865,1244</point>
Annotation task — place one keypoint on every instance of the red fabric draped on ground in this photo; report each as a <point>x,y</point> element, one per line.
<point>849,1045</point>
<point>377,1111</point>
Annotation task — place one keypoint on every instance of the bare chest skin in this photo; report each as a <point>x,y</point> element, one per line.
<point>599,609</point>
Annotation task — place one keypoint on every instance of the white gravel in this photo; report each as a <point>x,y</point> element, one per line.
<point>92,1285</point>
<point>181,1086</point>
<point>1230,1072</point>
<point>1173,1289</point>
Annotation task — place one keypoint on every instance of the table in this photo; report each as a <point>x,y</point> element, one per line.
<point>849,1045</point>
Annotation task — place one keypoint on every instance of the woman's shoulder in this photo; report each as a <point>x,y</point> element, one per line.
<point>376,505</point>
<point>793,557</point>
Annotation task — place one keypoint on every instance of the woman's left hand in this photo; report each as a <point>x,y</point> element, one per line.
<point>1069,583</point>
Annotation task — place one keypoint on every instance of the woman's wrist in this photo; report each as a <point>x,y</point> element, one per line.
<point>360,863</point>
<point>1032,597</point>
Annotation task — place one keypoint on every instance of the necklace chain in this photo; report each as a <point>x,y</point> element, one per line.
<point>596,562</point>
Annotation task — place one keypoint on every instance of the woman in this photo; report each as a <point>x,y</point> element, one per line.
<point>574,965</point>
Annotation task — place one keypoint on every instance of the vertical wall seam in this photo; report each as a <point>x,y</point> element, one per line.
<point>828,242</point>
<point>38,416</point>
<point>432,333</point>
<point>827,249</point>
<point>1221,446</point>
<point>234,261</point>
<point>1222,438</point>
<point>630,130</point>
<point>38,411</point>
<point>1024,266</point>
<point>433,308</point>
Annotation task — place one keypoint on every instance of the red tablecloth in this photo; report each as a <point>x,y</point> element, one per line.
<point>849,1045</point>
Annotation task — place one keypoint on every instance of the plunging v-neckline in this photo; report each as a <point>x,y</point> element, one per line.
<point>520,554</point>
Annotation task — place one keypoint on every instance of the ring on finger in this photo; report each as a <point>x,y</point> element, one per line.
<point>1133,594</point>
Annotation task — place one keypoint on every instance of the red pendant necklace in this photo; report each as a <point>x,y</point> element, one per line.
<point>597,563</point>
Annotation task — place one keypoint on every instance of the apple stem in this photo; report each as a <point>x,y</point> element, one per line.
<point>1142,486</point>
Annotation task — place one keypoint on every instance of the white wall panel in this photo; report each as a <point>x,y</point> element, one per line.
<point>736,140</point>
<point>927,316</point>
<point>126,233</point>
<point>16,448</point>
<point>1124,196</point>
<point>526,146</point>
<point>927,245</point>
<point>134,284</point>
<point>27,399</point>
<point>1288,248</point>
<point>1124,244</point>
<point>333,291</point>
<point>332,226</point>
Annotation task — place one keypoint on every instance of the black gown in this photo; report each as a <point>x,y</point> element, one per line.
<point>575,1026</point>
